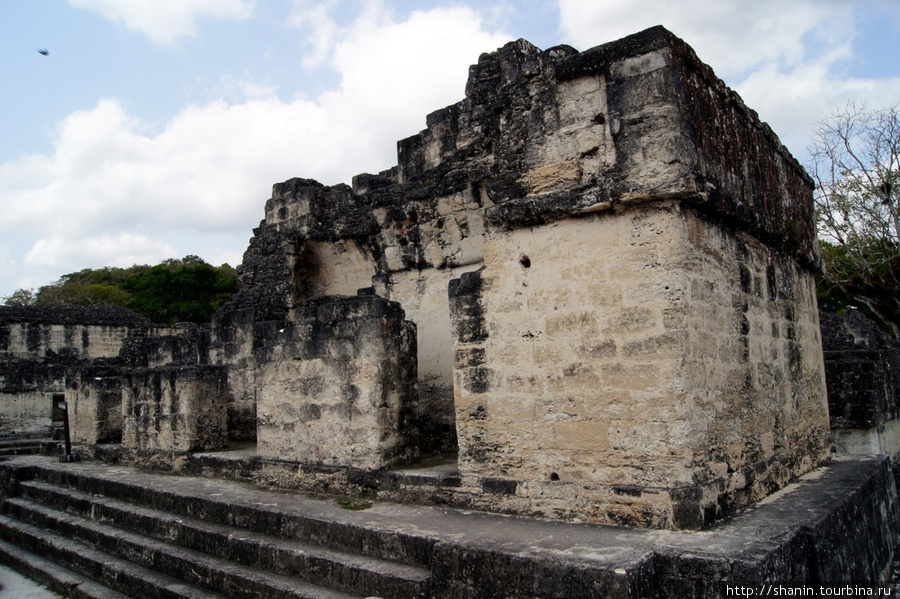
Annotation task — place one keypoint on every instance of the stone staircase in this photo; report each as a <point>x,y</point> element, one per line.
<point>28,445</point>
<point>94,530</point>
<point>94,536</point>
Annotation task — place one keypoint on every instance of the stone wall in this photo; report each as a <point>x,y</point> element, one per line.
<point>317,241</point>
<point>36,340</point>
<point>242,343</point>
<point>607,263</point>
<point>39,344</point>
<point>338,388</point>
<point>182,343</point>
<point>666,364</point>
<point>862,366</point>
<point>94,397</point>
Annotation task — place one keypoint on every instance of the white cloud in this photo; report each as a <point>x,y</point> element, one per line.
<point>730,36</point>
<point>120,250</point>
<point>793,102</point>
<point>393,74</point>
<point>116,191</point>
<point>322,30</point>
<point>164,21</point>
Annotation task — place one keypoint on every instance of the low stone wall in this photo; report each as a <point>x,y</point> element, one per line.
<point>838,525</point>
<point>27,391</point>
<point>339,385</point>
<point>38,344</point>
<point>39,332</point>
<point>862,368</point>
<point>183,343</point>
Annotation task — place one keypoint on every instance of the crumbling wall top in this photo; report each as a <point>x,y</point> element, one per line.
<point>543,135</point>
<point>853,331</point>
<point>675,131</point>
<point>84,315</point>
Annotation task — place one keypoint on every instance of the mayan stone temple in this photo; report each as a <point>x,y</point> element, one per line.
<point>568,347</point>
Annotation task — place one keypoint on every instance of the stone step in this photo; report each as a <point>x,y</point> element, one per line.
<point>311,521</point>
<point>21,449</point>
<point>28,445</point>
<point>53,576</point>
<point>107,570</point>
<point>836,523</point>
<point>195,569</point>
<point>315,564</point>
<point>30,436</point>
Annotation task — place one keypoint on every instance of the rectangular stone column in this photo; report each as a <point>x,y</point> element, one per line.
<point>94,397</point>
<point>862,369</point>
<point>339,387</point>
<point>175,408</point>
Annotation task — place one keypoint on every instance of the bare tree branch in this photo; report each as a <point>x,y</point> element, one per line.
<point>856,167</point>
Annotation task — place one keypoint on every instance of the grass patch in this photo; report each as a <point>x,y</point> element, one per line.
<point>355,504</point>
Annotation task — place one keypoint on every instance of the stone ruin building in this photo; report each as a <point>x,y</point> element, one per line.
<point>39,347</point>
<point>586,292</point>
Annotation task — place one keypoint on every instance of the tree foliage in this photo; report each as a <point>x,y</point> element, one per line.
<point>20,297</point>
<point>185,290</point>
<point>856,167</point>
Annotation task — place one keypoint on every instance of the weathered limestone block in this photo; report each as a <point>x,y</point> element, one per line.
<point>27,412</point>
<point>317,241</point>
<point>338,388</point>
<point>94,398</point>
<point>540,136</point>
<point>175,408</point>
<point>641,366</point>
<point>243,344</point>
<point>642,344</point>
<point>27,391</point>
<point>654,360</point>
<point>862,369</point>
<point>183,343</point>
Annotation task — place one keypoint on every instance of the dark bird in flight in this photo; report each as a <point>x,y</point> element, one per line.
<point>44,51</point>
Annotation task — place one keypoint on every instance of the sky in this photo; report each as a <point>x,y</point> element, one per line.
<point>155,129</point>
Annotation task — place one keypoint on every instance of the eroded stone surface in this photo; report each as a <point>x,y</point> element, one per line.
<point>628,253</point>
<point>338,388</point>
<point>174,409</point>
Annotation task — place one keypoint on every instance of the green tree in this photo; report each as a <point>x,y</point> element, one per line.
<point>185,290</point>
<point>81,294</point>
<point>856,168</point>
